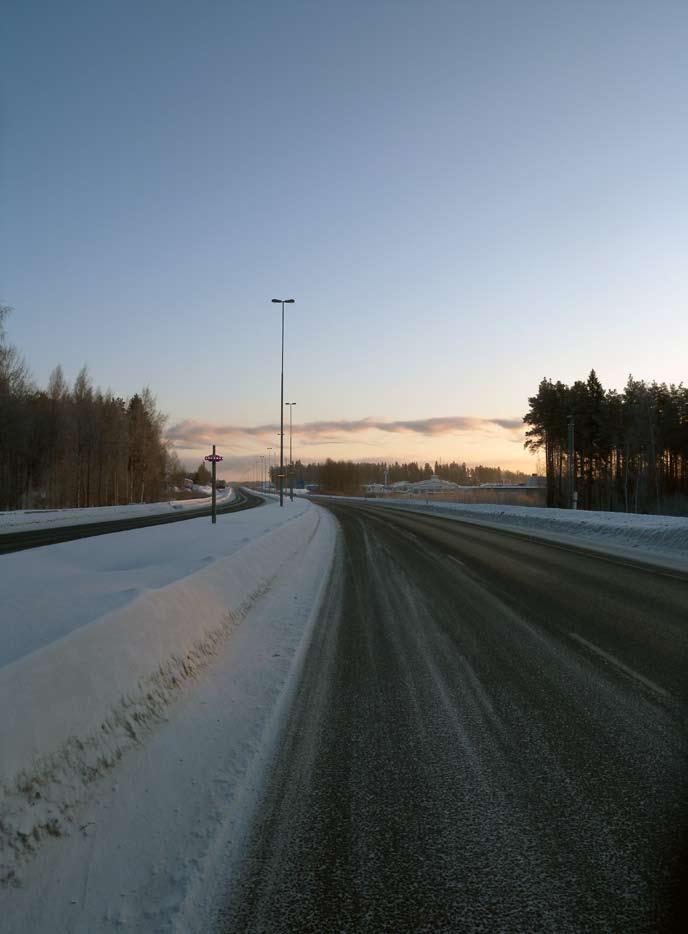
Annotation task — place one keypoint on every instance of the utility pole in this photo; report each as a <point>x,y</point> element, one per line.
<point>291,458</point>
<point>283,302</point>
<point>573,495</point>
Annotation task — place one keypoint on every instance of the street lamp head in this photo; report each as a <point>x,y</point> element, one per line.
<point>283,301</point>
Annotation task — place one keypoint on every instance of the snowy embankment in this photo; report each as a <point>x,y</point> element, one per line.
<point>660,540</point>
<point>25,519</point>
<point>132,623</point>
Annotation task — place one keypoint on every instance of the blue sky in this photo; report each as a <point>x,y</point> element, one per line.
<point>461,197</point>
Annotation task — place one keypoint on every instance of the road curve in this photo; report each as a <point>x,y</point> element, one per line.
<point>488,735</point>
<point>36,538</point>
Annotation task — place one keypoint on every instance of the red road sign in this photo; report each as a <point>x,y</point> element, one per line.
<point>213,457</point>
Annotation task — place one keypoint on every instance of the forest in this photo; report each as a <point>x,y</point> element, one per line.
<point>76,445</point>
<point>346,476</point>
<point>630,448</point>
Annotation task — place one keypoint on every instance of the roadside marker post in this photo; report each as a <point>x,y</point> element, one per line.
<point>573,495</point>
<point>214,458</point>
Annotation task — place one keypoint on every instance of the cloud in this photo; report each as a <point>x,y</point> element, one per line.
<point>191,434</point>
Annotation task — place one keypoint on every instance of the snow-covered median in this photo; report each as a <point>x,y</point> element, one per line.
<point>660,540</point>
<point>27,519</point>
<point>74,704</point>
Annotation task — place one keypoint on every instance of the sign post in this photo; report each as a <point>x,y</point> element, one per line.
<point>214,458</point>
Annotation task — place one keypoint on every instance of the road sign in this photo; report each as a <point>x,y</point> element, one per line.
<point>214,458</point>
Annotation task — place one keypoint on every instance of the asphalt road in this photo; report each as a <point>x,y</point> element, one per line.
<point>488,735</point>
<point>35,538</point>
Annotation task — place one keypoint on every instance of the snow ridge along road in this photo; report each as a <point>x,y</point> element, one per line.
<point>79,702</point>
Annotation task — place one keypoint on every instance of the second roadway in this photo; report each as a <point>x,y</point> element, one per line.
<point>36,538</point>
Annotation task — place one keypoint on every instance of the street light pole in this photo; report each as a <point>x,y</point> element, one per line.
<point>291,459</point>
<point>268,477</point>
<point>283,302</point>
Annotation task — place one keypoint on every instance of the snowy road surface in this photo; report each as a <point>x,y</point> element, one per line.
<point>658,540</point>
<point>489,734</point>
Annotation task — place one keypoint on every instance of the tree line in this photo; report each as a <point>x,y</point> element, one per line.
<point>346,476</point>
<point>630,448</point>
<point>76,445</point>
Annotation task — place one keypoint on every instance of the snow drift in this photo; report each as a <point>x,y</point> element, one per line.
<point>72,707</point>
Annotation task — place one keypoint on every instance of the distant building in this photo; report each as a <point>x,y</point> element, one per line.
<point>400,486</point>
<point>374,489</point>
<point>528,493</point>
<point>434,485</point>
<point>533,482</point>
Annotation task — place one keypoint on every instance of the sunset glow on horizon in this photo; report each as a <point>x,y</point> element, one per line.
<point>470,440</point>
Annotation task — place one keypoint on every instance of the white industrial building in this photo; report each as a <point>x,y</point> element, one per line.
<point>530,493</point>
<point>433,485</point>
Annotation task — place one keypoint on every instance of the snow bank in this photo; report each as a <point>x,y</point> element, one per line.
<point>661,540</point>
<point>147,849</point>
<point>82,580</point>
<point>22,519</point>
<point>73,706</point>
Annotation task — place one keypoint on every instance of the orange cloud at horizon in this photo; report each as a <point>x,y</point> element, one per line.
<point>470,439</point>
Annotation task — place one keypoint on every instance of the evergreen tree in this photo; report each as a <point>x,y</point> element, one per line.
<point>630,450</point>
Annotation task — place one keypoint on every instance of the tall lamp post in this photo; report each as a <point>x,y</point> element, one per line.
<point>291,459</point>
<point>269,473</point>
<point>283,302</point>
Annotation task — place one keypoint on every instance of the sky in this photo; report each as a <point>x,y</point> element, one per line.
<point>462,198</point>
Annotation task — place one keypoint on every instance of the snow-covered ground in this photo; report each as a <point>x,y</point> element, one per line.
<point>118,762</point>
<point>660,540</point>
<point>25,519</point>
